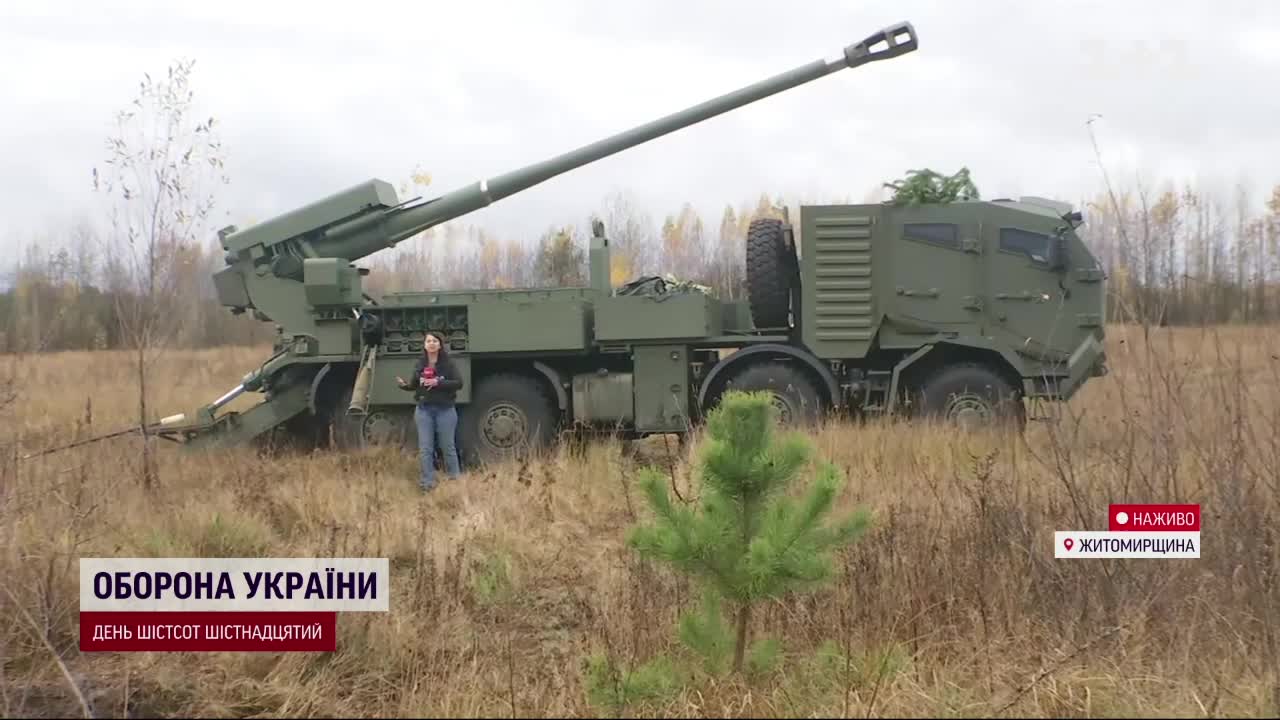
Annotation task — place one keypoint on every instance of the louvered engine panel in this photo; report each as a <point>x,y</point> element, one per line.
<point>839,307</point>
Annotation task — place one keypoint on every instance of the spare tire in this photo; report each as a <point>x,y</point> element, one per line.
<point>771,267</point>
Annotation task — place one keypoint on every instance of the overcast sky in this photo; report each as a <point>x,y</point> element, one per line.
<point>314,97</point>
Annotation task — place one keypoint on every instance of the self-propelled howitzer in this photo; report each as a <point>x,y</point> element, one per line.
<point>296,270</point>
<point>959,310</point>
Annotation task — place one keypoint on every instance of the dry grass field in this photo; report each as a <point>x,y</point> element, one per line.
<point>505,581</point>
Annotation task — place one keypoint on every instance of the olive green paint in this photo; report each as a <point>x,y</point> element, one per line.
<point>878,289</point>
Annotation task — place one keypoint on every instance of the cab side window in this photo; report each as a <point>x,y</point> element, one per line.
<point>1024,242</point>
<point>944,234</point>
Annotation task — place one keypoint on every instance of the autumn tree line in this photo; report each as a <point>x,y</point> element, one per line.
<point>141,277</point>
<point>1180,256</point>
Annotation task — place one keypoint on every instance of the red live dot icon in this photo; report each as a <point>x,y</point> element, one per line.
<point>1068,543</point>
<point>1154,518</point>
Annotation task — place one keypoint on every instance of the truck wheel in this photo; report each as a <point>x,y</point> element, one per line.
<point>508,415</point>
<point>770,269</point>
<point>795,396</point>
<point>972,395</point>
<point>381,427</point>
<point>304,432</point>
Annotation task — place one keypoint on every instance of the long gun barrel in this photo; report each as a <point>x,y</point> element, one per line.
<point>368,217</point>
<point>410,221</point>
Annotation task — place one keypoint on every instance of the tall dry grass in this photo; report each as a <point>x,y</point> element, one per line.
<point>505,580</point>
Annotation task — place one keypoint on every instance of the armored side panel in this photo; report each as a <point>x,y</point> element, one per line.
<point>929,263</point>
<point>330,282</point>
<point>839,313</point>
<point>657,317</point>
<point>463,364</point>
<point>385,391</point>
<point>736,316</point>
<point>603,398</point>
<point>229,285</point>
<point>336,336</point>
<point>466,297</point>
<point>1045,315</point>
<point>492,320</point>
<point>662,388</point>
<point>529,325</point>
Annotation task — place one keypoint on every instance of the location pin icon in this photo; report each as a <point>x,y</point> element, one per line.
<point>1069,542</point>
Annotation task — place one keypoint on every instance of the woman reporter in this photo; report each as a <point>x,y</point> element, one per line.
<point>435,384</point>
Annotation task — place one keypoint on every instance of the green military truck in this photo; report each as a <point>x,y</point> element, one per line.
<point>961,310</point>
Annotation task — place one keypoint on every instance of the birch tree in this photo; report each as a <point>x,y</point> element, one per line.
<point>164,163</point>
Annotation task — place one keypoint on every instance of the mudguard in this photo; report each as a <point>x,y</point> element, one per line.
<point>771,350</point>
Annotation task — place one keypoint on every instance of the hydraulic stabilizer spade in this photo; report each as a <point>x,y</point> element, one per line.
<point>364,380</point>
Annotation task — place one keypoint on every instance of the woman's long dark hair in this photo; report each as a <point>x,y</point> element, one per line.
<point>443,356</point>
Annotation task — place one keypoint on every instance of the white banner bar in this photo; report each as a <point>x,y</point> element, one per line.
<point>1070,544</point>
<point>231,584</point>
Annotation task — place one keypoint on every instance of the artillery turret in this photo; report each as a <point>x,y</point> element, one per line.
<point>313,245</point>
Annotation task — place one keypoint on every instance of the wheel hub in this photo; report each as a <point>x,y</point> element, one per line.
<point>782,406</point>
<point>969,411</point>
<point>380,429</point>
<point>504,426</point>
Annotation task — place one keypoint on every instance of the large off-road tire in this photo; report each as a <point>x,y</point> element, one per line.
<point>306,431</point>
<point>796,396</point>
<point>771,269</point>
<point>381,427</point>
<point>509,416</point>
<point>970,395</point>
<point>303,432</point>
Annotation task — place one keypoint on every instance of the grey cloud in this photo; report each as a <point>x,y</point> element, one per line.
<point>314,99</point>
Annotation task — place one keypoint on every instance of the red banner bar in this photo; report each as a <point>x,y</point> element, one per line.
<point>1153,518</point>
<point>208,631</point>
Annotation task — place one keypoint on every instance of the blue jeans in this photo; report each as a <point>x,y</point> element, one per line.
<point>437,426</point>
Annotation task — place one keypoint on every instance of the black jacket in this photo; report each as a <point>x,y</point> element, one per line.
<point>442,394</point>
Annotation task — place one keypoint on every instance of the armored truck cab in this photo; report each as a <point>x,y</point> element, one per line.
<point>942,308</point>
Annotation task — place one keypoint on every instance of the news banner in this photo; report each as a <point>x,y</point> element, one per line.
<point>224,604</point>
<point>1136,531</point>
<point>292,604</point>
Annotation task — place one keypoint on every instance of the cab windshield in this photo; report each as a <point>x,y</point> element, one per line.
<point>1036,246</point>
